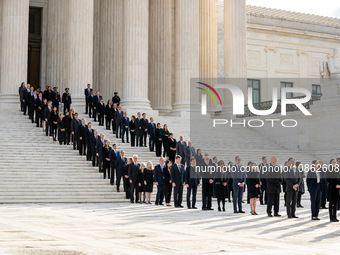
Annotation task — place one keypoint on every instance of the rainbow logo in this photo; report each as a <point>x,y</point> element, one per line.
<point>209,93</point>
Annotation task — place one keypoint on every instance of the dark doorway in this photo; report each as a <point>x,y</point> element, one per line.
<point>34,47</point>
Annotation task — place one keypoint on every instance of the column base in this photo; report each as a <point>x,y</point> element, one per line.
<point>9,101</point>
<point>134,105</point>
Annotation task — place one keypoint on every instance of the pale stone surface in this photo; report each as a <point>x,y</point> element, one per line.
<point>84,229</point>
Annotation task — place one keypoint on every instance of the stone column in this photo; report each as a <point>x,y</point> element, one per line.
<point>235,53</point>
<point>111,48</point>
<point>80,47</point>
<point>187,51</point>
<point>208,44</point>
<point>160,54</point>
<point>14,49</point>
<point>135,55</point>
<point>56,49</point>
<point>96,43</point>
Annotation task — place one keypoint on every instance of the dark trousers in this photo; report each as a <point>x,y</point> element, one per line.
<point>90,111</point>
<point>158,148</point>
<point>324,187</point>
<point>299,195</point>
<point>66,108</point>
<point>167,191</point>
<point>178,194</point>
<point>125,131</point>
<point>113,170</point>
<point>206,201</point>
<point>229,188</point>
<point>114,127</point>
<point>273,200</point>
<point>94,156</point>
<point>106,168</point>
<point>48,127</point>
<point>263,192</point>
<point>108,122</point>
<point>88,152</point>
<point>120,175</point>
<point>22,105</point>
<point>160,194</point>
<point>194,192</point>
<point>139,138</point>
<point>315,198</point>
<point>237,197</point>
<point>86,105</point>
<point>95,114</point>
<point>291,197</point>
<point>132,137</point>
<point>75,141</point>
<point>54,132</point>
<point>118,130</point>
<point>127,188</point>
<point>101,119</point>
<point>219,200</point>
<point>25,107</point>
<point>82,146</point>
<point>145,134</point>
<point>100,164</point>
<point>152,142</point>
<point>68,136</point>
<point>165,152</point>
<point>38,118</point>
<point>332,207</point>
<point>134,192</point>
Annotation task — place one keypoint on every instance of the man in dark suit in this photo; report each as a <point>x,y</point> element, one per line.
<point>178,181</point>
<point>67,100</point>
<point>125,128</point>
<point>189,153</point>
<point>144,122</point>
<point>114,153</point>
<point>39,113</point>
<point>116,99</point>
<point>101,112</point>
<point>118,120</point>
<point>292,178</point>
<point>139,131</point>
<point>55,98</point>
<point>82,138</point>
<point>120,164</point>
<point>26,95</point>
<point>159,181</point>
<point>273,188</point>
<point>31,105</point>
<point>75,123</point>
<point>100,144</point>
<point>48,122</point>
<point>133,172</point>
<point>108,115</point>
<point>239,178</point>
<point>324,184</point>
<point>88,135</point>
<point>151,134</point>
<point>207,187</point>
<point>93,140</point>
<point>181,148</point>
<point>91,104</point>
<point>114,112</point>
<point>314,187</point>
<point>96,101</point>
<point>192,182</point>
<point>263,167</point>
<point>87,93</point>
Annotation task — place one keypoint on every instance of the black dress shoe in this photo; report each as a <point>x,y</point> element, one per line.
<point>294,216</point>
<point>156,203</point>
<point>277,215</point>
<point>235,211</point>
<point>241,211</point>
<point>210,209</point>
<point>189,207</point>
<point>223,209</point>
<point>204,209</point>
<point>219,209</point>
<point>289,217</point>
<point>180,206</point>
<point>334,220</point>
<point>269,215</point>
<point>193,207</point>
<point>163,204</point>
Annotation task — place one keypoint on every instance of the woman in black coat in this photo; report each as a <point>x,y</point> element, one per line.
<point>165,137</point>
<point>54,120</point>
<point>333,190</point>
<point>148,181</point>
<point>44,105</point>
<point>141,182</point>
<point>167,182</point>
<point>253,184</point>
<point>126,178</point>
<point>171,148</point>
<point>68,120</point>
<point>132,126</point>
<point>61,129</point>
<point>221,189</point>
<point>199,158</point>
<point>158,138</point>
<point>106,158</point>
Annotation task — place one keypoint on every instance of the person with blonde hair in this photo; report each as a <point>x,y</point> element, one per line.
<point>106,158</point>
<point>148,178</point>
<point>141,183</point>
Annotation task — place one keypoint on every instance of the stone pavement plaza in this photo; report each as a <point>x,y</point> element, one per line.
<point>123,228</point>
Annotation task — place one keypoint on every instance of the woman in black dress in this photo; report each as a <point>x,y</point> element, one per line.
<point>68,127</point>
<point>167,182</point>
<point>141,182</point>
<point>132,126</point>
<point>221,183</point>
<point>61,129</point>
<point>54,120</point>
<point>148,181</point>
<point>171,148</point>
<point>158,137</point>
<point>44,105</point>
<point>165,137</point>
<point>126,178</point>
<point>333,189</point>
<point>106,158</point>
<point>253,184</point>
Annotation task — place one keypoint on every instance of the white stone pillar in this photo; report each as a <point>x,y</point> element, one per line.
<point>111,48</point>
<point>14,49</point>
<point>160,55</point>
<point>235,52</point>
<point>80,47</point>
<point>96,45</point>
<point>135,55</point>
<point>187,51</point>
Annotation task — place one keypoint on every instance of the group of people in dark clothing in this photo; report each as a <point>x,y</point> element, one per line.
<point>179,169</point>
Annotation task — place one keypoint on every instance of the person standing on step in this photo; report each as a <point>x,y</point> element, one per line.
<point>125,128</point>
<point>88,135</point>
<point>139,130</point>
<point>314,187</point>
<point>159,181</point>
<point>273,188</point>
<point>106,158</point>
<point>66,100</point>
<point>94,138</point>
<point>192,183</point>
<point>99,149</point>
<point>158,139</point>
<point>108,114</point>
<point>91,104</point>
<point>181,148</point>
<point>120,164</point>
<point>171,148</point>
<point>324,184</point>
<point>165,136</point>
<point>82,137</point>
<point>54,121</point>
<point>87,93</point>
<point>292,178</point>
<point>47,115</point>
<point>132,126</point>
<point>151,134</point>
<point>39,113</point>
<point>263,167</point>
<point>118,120</point>
<point>61,129</point>
<point>178,181</point>
<point>26,95</point>
<point>116,99</point>
<point>75,124</point>
<point>114,112</point>
<point>126,178</point>
<point>189,153</point>
<point>301,188</point>
<point>101,112</point>
<point>55,98</point>
<point>31,105</point>
<point>114,154</point>
<point>133,172</point>
<point>145,123</point>
<point>148,178</point>
<point>21,95</point>
<point>239,180</point>
<point>333,189</point>
<point>96,101</point>
<point>141,183</point>
<point>167,182</point>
